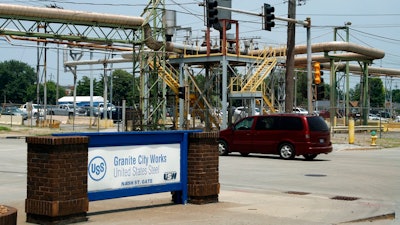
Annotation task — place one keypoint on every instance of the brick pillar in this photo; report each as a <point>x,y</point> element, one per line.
<point>57,180</point>
<point>203,164</point>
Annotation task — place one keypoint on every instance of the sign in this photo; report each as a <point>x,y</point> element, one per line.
<point>119,167</point>
<point>123,164</point>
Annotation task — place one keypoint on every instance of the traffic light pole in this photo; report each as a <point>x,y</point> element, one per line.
<point>309,71</point>
<point>307,24</point>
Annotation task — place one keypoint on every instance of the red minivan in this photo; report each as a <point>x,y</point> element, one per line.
<point>287,135</point>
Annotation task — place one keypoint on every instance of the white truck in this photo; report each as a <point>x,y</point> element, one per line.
<point>33,110</point>
<point>65,110</point>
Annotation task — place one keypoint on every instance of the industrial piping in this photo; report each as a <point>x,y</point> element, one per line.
<point>110,20</point>
<point>79,17</point>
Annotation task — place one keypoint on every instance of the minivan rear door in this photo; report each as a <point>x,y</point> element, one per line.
<point>319,132</point>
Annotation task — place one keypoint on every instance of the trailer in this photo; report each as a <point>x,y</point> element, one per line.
<point>81,101</point>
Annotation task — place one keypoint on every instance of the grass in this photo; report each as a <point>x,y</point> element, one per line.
<point>388,142</point>
<point>4,128</point>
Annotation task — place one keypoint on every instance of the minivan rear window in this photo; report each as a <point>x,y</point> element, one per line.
<point>317,123</point>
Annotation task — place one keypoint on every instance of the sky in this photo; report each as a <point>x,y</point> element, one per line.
<point>373,24</point>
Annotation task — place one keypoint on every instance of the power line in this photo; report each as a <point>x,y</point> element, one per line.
<point>377,36</point>
<point>351,15</point>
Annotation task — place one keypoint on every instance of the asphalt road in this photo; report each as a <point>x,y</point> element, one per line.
<point>366,174</point>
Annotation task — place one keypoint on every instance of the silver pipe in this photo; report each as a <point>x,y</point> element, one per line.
<point>82,17</point>
<point>301,61</point>
<point>102,19</point>
<point>377,71</point>
<point>371,53</point>
<point>99,61</point>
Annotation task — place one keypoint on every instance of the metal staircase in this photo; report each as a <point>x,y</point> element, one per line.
<point>263,70</point>
<point>170,76</point>
<point>252,83</point>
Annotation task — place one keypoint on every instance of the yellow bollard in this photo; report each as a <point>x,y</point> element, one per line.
<point>373,138</point>
<point>351,131</point>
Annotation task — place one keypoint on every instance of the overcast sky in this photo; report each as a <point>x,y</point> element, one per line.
<point>373,24</point>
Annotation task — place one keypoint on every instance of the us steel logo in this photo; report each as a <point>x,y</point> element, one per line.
<point>170,175</point>
<point>97,168</point>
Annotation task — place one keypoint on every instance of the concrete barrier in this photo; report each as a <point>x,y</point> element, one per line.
<point>11,120</point>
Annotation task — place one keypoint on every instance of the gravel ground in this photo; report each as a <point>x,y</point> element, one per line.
<point>384,140</point>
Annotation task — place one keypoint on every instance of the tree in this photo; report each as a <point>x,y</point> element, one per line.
<point>301,87</point>
<point>376,92</point>
<point>396,95</point>
<point>16,77</point>
<point>83,87</point>
<point>51,88</point>
<point>122,87</point>
<point>354,93</point>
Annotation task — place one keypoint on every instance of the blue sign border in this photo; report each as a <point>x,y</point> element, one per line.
<point>107,139</point>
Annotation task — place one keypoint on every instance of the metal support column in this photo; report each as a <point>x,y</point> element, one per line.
<point>181,101</point>
<point>224,93</point>
<point>365,94</point>
<point>332,93</point>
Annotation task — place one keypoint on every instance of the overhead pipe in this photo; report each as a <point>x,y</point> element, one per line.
<point>78,17</point>
<point>74,44</point>
<point>377,71</point>
<point>101,19</point>
<point>301,61</point>
<point>110,20</point>
<point>372,53</point>
<point>360,52</point>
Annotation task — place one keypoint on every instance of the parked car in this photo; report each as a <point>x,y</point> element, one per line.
<point>14,111</point>
<point>116,114</point>
<point>287,135</point>
<point>66,110</point>
<point>300,110</point>
<point>94,110</point>
<point>384,114</point>
<point>110,107</point>
<point>241,112</point>
<point>372,116</point>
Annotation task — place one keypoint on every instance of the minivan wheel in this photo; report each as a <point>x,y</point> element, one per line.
<point>286,151</point>
<point>310,156</point>
<point>222,148</point>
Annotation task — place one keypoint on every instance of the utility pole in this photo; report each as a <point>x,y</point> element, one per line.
<point>289,78</point>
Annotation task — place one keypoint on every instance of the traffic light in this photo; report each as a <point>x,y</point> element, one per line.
<point>181,92</point>
<point>317,73</point>
<point>320,91</point>
<point>211,13</point>
<point>269,17</point>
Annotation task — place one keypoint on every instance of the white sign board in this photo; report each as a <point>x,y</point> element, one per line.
<point>131,166</point>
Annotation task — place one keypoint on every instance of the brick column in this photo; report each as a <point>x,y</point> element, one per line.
<point>57,180</point>
<point>203,164</point>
